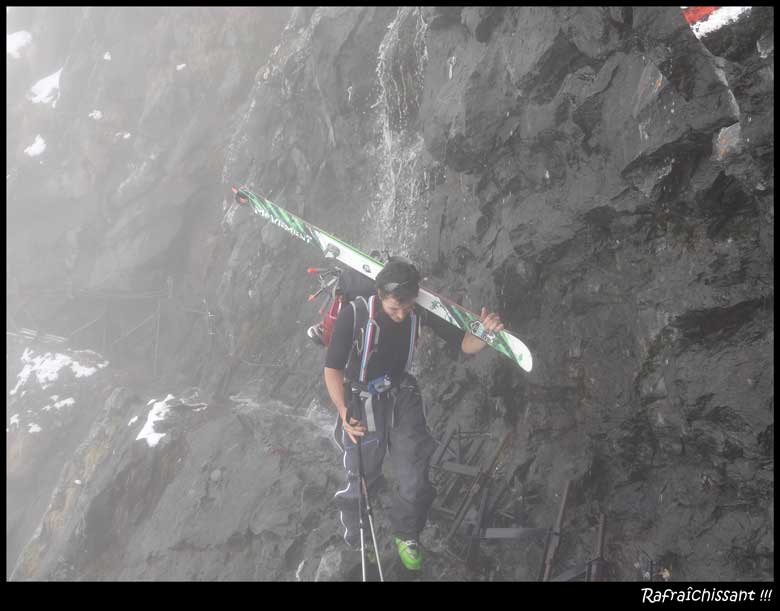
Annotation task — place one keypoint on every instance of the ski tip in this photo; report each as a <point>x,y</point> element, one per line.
<point>238,196</point>
<point>520,352</point>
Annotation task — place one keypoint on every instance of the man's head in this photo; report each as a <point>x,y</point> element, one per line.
<point>397,286</point>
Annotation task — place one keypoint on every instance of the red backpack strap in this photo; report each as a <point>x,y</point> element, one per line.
<point>330,319</point>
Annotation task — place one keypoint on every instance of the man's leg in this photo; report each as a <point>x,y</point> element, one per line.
<point>411,448</point>
<point>372,446</point>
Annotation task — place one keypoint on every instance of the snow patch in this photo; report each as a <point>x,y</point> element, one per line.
<point>180,67</point>
<point>17,41</point>
<point>132,420</point>
<point>724,15</point>
<point>65,403</point>
<point>81,371</point>
<point>47,90</point>
<point>34,428</point>
<point>96,114</point>
<point>77,482</point>
<point>15,419</point>
<point>107,56</point>
<point>765,46</point>
<point>37,147</point>
<point>124,135</point>
<point>46,369</point>
<point>158,412</point>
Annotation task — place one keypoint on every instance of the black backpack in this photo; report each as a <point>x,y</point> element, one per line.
<point>353,284</point>
<point>349,286</point>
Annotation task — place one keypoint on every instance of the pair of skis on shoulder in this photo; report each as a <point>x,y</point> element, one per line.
<point>503,341</point>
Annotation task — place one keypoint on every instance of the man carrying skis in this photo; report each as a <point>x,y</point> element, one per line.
<point>368,362</point>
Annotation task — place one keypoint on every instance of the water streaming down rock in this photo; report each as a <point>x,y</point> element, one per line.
<point>315,415</point>
<point>239,140</point>
<point>400,207</point>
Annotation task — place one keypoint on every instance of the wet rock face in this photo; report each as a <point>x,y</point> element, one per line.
<point>602,177</point>
<point>627,235</point>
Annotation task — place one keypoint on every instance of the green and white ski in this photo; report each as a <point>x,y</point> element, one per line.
<point>504,342</point>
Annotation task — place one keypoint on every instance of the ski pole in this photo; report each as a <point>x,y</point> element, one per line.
<point>350,415</point>
<point>370,513</point>
<point>324,285</point>
<point>361,511</point>
<point>365,509</point>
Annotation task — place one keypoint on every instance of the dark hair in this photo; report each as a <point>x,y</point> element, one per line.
<point>399,279</point>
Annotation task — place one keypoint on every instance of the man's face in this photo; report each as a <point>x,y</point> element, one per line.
<point>396,310</point>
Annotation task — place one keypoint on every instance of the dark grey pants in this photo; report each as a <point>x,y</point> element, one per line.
<point>401,428</point>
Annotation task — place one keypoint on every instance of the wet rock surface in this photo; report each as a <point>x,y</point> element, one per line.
<point>600,176</point>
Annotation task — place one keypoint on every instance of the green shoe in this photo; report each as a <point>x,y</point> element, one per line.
<point>410,554</point>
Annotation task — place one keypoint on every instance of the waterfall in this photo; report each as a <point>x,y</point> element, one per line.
<point>398,214</point>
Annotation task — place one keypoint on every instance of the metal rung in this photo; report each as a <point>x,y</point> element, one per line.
<point>54,338</point>
<point>443,446</point>
<point>454,467</point>
<point>511,533</point>
<point>444,510</point>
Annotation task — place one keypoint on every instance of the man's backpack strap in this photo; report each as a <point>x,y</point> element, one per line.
<point>414,333</point>
<point>365,336</point>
